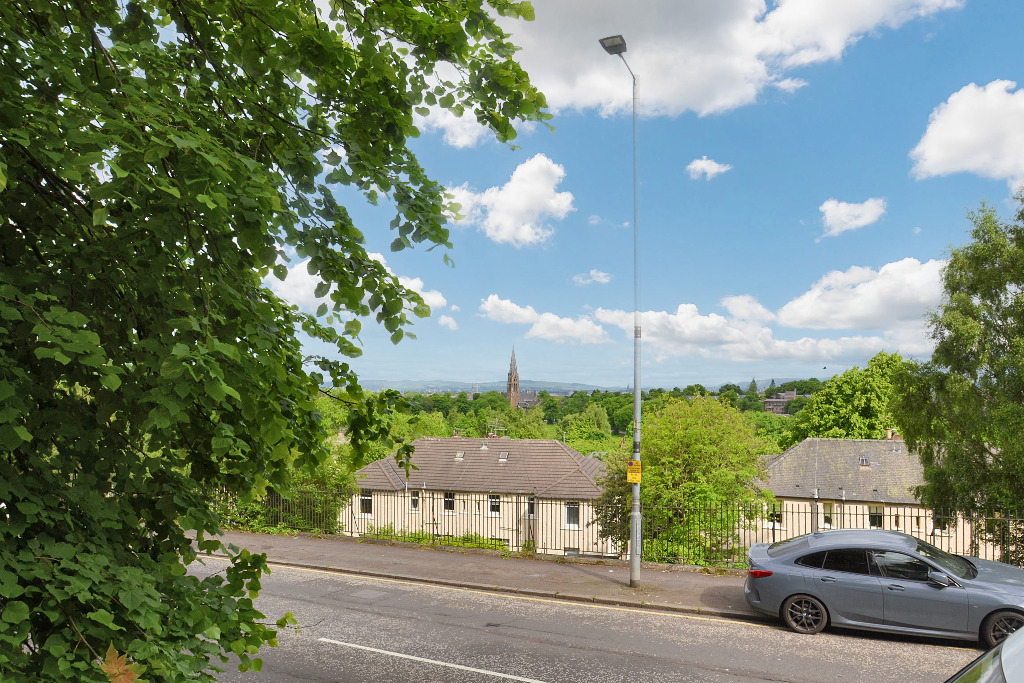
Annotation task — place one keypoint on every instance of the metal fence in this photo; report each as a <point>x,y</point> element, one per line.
<point>522,523</point>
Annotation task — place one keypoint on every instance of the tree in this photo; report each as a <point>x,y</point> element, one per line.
<point>776,431</point>
<point>158,161</point>
<point>853,405</point>
<point>962,411</point>
<point>730,387</point>
<point>694,390</point>
<point>751,401</point>
<point>696,453</point>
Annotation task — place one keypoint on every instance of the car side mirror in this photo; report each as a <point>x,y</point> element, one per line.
<point>939,578</point>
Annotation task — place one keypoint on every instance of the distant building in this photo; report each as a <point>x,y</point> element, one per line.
<point>512,390</point>
<point>517,398</point>
<point>777,404</point>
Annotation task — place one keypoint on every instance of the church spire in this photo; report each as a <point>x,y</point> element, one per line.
<point>512,390</point>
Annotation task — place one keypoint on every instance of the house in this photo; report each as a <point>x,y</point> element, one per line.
<point>854,484</point>
<point>516,494</point>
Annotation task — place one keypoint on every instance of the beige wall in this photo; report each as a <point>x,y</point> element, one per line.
<point>506,518</point>
<point>954,535</point>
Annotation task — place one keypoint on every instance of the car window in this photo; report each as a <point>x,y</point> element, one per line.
<point>853,560</point>
<point>951,564</point>
<point>896,565</point>
<point>797,544</point>
<point>814,560</point>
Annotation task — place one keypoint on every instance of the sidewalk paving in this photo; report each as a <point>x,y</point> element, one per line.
<point>664,587</point>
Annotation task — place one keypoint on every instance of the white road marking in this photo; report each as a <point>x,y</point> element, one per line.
<point>496,674</point>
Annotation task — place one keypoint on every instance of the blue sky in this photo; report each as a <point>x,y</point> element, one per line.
<point>804,169</point>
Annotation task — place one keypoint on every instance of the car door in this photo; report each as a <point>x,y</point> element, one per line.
<point>850,592</point>
<point>913,601</point>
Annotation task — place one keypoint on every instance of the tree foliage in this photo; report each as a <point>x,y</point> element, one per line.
<point>695,452</point>
<point>158,160</point>
<point>963,410</point>
<point>853,405</point>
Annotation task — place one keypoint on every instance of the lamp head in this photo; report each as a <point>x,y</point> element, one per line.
<point>614,45</point>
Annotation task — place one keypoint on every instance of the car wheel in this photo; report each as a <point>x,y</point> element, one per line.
<point>804,614</point>
<point>1000,624</point>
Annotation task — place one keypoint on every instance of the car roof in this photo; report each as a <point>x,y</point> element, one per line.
<point>874,538</point>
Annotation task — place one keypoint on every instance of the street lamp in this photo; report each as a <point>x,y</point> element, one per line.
<point>616,45</point>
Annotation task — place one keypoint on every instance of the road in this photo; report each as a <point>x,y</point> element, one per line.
<point>363,629</point>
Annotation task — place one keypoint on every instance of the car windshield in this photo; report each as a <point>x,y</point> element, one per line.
<point>952,564</point>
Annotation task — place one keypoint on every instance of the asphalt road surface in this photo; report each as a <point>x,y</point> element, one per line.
<point>366,630</point>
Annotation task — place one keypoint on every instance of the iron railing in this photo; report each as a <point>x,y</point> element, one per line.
<point>524,523</point>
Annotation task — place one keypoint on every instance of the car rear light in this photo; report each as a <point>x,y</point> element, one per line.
<point>758,573</point>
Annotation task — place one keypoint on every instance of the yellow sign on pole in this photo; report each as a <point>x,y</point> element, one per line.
<point>633,472</point>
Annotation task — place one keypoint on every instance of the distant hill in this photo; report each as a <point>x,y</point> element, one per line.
<point>449,387</point>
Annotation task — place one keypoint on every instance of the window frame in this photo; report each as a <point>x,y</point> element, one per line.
<point>365,505</point>
<point>449,497</point>
<point>575,526</point>
<point>415,502</point>
<point>493,505</point>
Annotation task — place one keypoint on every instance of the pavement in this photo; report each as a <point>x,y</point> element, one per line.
<point>661,587</point>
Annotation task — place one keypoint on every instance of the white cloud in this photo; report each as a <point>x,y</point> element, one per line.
<point>593,276</point>
<point>447,321</point>
<point>842,216</point>
<point>431,297</point>
<point>581,330</point>
<point>459,131</point>
<point>746,307</point>
<point>594,220</point>
<point>896,295</point>
<point>705,56</point>
<point>455,309</point>
<point>872,310</point>
<point>706,167</point>
<point>977,130</point>
<point>298,287</point>
<point>515,213</point>
<point>859,312</point>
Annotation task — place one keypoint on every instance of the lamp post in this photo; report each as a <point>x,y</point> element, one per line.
<point>616,45</point>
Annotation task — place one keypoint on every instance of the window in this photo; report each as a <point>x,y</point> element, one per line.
<point>449,503</point>
<point>896,521</point>
<point>572,515</point>
<point>852,560</point>
<point>875,513</point>
<point>494,505</point>
<point>940,524</point>
<point>827,510</point>
<point>531,507</point>
<point>814,560</point>
<point>899,566</point>
<point>414,501</point>
<point>366,504</point>
<point>774,520</point>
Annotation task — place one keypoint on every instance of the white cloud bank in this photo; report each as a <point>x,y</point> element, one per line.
<point>839,217</point>
<point>708,168</point>
<point>706,56</point>
<point>977,130</point>
<point>581,330</point>
<point>515,213</point>
<point>870,310</point>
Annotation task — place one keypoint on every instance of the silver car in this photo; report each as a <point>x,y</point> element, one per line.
<point>884,581</point>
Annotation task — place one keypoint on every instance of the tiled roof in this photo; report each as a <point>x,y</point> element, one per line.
<point>545,468</point>
<point>834,467</point>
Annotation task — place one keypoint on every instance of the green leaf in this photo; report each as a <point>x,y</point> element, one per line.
<point>15,612</point>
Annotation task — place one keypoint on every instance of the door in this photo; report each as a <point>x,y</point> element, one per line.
<point>912,601</point>
<point>850,592</point>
